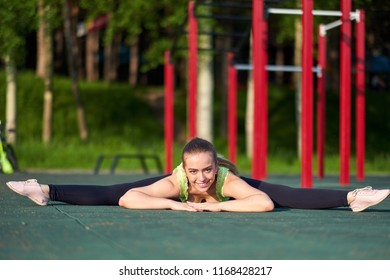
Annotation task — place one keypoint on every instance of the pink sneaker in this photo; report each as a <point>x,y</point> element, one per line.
<point>31,189</point>
<point>367,197</point>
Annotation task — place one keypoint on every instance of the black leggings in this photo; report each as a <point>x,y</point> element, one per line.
<point>282,196</point>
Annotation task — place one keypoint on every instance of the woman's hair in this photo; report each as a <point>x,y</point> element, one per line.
<point>199,145</point>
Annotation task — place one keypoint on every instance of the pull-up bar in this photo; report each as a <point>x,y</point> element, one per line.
<point>276,68</point>
<point>347,16</point>
<point>259,67</point>
<point>307,106</point>
<point>300,12</point>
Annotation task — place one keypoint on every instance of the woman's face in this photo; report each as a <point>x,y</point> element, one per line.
<point>200,169</point>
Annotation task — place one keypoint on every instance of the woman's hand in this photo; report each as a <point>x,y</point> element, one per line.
<point>205,206</point>
<point>180,206</point>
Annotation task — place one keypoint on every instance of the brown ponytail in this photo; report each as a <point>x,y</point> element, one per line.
<point>228,164</point>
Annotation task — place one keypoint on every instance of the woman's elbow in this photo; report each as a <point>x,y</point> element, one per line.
<point>126,199</point>
<point>123,202</point>
<point>268,206</point>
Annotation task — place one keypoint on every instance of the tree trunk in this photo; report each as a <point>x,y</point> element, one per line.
<point>11,108</point>
<point>133,63</point>
<point>41,52</point>
<point>279,61</point>
<point>221,87</point>
<point>205,84</point>
<point>249,108</point>
<point>111,59</point>
<point>72,53</point>
<point>92,55</point>
<point>59,50</point>
<point>205,93</point>
<point>48,77</point>
<point>297,77</point>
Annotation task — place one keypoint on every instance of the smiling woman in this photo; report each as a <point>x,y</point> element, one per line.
<point>202,182</point>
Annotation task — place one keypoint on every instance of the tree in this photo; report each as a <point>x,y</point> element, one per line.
<point>134,62</point>
<point>205,81</point>
<point>156,21</point>
<point>72,54</point>
<point>111,58</point>
<point>298,86</point>
<point>249,113</point>
<point>11,104</point>
<point>92,54</point>
<point>16,19</point>
<point>47,13</point>
<point>41,46</point>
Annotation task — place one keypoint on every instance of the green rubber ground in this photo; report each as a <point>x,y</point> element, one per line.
<point>66,232</point>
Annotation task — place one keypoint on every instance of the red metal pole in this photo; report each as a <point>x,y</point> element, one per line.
<point>345,92</point>
<point>321,101</point>
<point>192,69</point>
<point>307,94</point>
<point>360,95</point>
<point>259,156</point>
<point>168,113</point>
<point>264,106</point>
<point>232,109</point>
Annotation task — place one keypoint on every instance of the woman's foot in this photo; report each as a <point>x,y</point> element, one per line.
<point>31,189</point>
<point>367,197</point>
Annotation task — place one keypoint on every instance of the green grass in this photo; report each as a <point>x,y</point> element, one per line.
<point>123,119</point>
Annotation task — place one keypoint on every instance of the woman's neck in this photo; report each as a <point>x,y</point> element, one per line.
<point>197,196</point>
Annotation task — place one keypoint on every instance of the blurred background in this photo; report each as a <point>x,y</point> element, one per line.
<point>79,79</point>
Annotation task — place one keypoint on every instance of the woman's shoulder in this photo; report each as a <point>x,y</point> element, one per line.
<point>172,178</point>
<point>233,181</point>
<point>179,175</point>
<point>231,176</point>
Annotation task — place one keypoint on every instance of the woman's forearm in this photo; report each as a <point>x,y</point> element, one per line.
<point>254,203</point>
<point>139,200</point>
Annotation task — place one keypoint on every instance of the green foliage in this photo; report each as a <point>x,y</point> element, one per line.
<point>53,12</point>
<point>119,118</point>
<point>16,19</point>
<point>157,19</point>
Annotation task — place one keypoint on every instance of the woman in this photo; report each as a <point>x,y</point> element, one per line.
<point>202,182</point>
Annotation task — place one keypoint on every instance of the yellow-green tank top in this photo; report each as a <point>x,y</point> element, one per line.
<point>183,182</point>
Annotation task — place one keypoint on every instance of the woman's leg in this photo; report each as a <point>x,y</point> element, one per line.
<point>95,194</point>
<point>76,194</point>
<point>284,196</point>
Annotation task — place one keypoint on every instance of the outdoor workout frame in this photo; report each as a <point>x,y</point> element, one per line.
<point>192,39</point>
<point>359,17</point>
<point>259,68</point>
